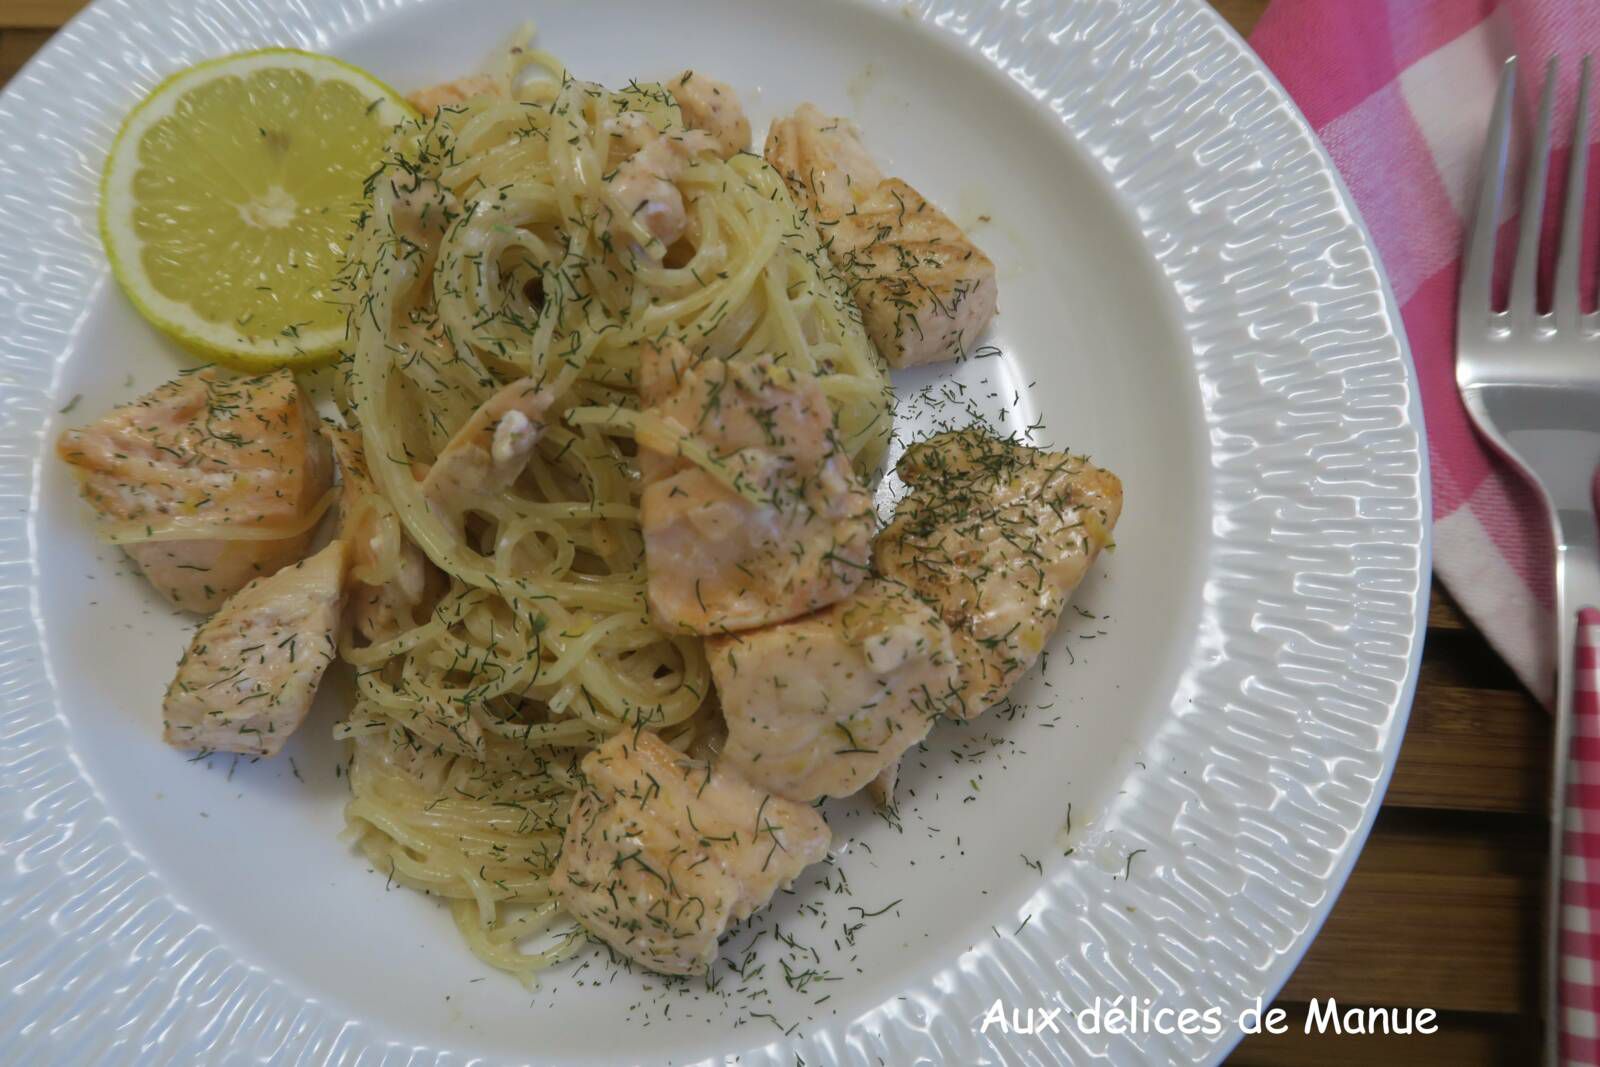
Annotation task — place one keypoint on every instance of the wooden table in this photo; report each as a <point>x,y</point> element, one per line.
<point>1442,910</point>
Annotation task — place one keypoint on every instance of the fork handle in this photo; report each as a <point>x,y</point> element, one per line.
<point>1571,978</point>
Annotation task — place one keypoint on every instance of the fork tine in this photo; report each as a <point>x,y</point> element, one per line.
<point>1566,303</point>
<point>1477,272</point>
<point>1525,274</point>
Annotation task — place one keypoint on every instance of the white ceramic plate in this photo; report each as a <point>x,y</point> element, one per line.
<point>1186,293</point>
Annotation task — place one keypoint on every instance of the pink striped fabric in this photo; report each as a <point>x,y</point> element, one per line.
<point>1580,872</point>
<point>1400,92</point>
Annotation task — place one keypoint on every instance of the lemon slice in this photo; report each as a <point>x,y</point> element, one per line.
<point>230,197</point>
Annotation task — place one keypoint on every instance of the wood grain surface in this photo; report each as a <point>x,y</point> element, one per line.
<point>1441,911</point>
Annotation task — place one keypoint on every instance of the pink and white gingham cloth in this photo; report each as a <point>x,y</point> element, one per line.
<point>1400,92</point>
<point>1580,874</point>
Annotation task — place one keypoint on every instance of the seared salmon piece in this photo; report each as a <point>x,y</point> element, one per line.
<point>455,93</point>
<point>997,535</point>
<point>662,366</point>
<point>383,591</point>
<point>926,293</point>
<point>781,527</point>
<point>821,706</point>
<point>710,105</point>
<point>207,482</point>
<point>824,162</point>
<point>247,680</point>
<point>645,212</point>
<point>488,453</point>
<point>663,852</point>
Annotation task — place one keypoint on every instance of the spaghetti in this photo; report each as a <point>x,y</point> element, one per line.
<point>495,249</point>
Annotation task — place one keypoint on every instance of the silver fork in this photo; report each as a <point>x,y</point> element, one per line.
<point>1531,383</point>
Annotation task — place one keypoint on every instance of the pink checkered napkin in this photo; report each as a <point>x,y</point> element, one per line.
<point>1580,875</point>
<point>1400,92</point>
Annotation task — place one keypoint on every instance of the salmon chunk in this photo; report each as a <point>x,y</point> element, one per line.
<point>383,592</point>
<point>248,678</point>
<point>646,212</point>
<point>662,366</point>
<point>663,852</point>
<point>824,162</point>
<point>207,482</point>
<point>925,291</point>
<point>821,706</point>
<point>781,527</point>
<point>455,93</point>
<point>491,449</point>
<point>709,105</point>
<point>997,535</point>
